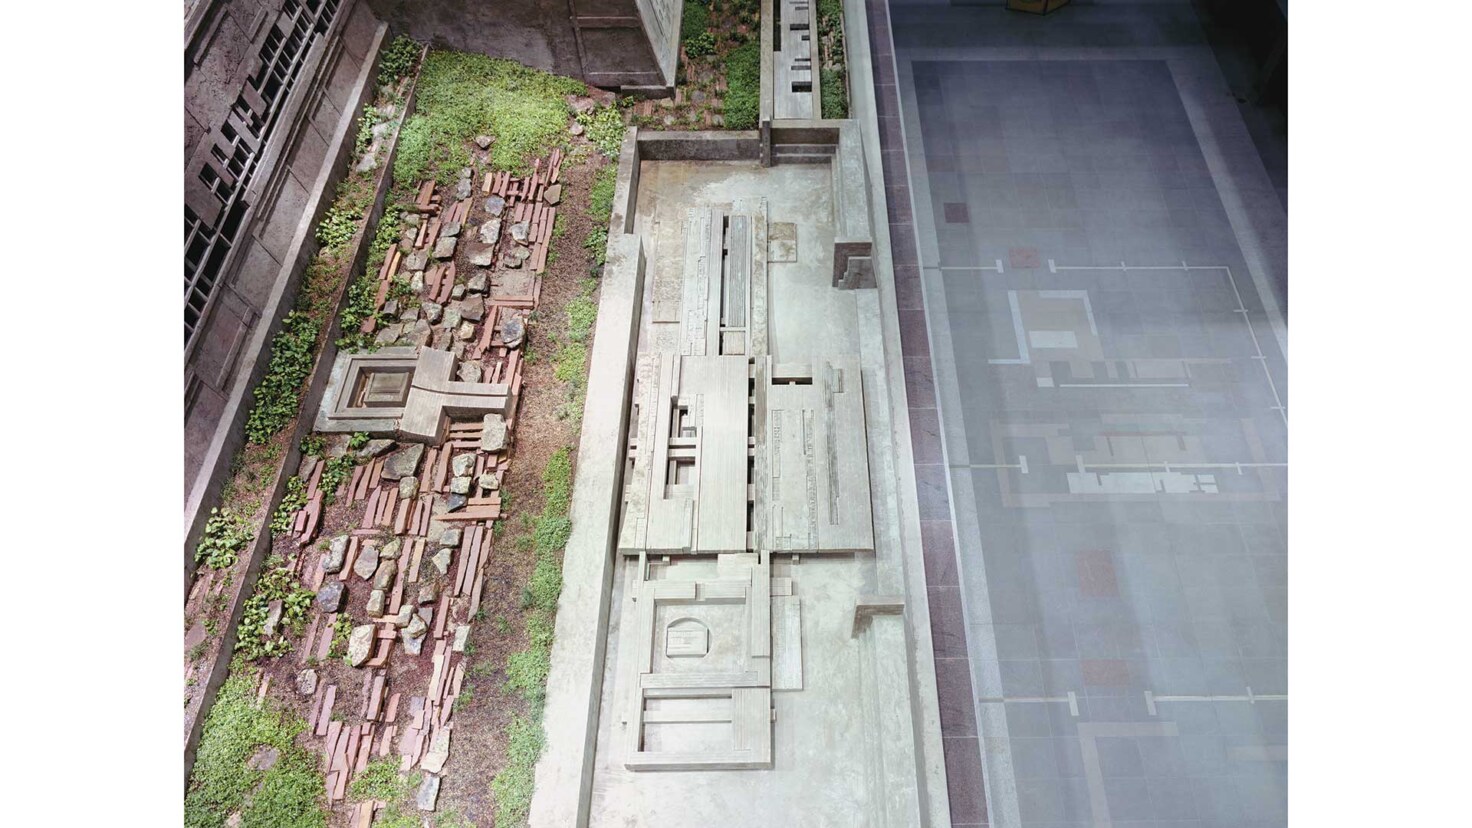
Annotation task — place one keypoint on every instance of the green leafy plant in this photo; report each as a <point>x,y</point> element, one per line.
<point>380,780</point>
<point>289,793</point>
<point>743,86</point>
<point>462,95</point>
<point>695,19</point>
<point>358,440</point>
<point>278,396</point>
<point>334,474</point>
<point>397,61</point>
<point>513,785</point>
<point>295,498</point>
<point>278,582</point>
<point>225,535</point>
<point>605,128</point>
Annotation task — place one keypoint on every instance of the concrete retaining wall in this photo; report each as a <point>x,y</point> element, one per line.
<point>296,176</point>
<point>316,386</point>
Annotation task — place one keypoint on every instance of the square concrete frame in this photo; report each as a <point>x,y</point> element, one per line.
<point>418,407</point>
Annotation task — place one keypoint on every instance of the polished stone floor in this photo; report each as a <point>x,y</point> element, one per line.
<point>1103,262</point>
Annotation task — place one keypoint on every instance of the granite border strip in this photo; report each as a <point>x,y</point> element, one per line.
<point>960,738</point>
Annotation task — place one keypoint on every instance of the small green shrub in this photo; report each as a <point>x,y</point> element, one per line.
<point>694,20</point>
<point>295,498</point>
<point>397,61</point>
<point>334,474</point>
<point>834,95</point>
<point>597,244</point>
<point>743,86</point>
<point>225,535</point>
<point>700,45</point>
<point>278,582</point>
<point>605,128</point>
<point>278,396</point>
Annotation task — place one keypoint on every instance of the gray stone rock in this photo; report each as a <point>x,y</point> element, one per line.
<point>488,481</point>
<point>367,562</point>
<point>441,561</point>
<point>483,141</point>
<point>462,189</point>
<point>462,464</point>
<point>411,219</point>
<point>403,462</point>
<point>429,592</point>
<point>390,550</point>
<point>462,635</point>
<point>420,334</point>
<point>383,577</point>
<point>336,555</point>
<point>513,330</point>
<point>429,793</point>
<point>416,283</point>
<point>515,257</point>
<point>408,315</point>
<point>469,371</point>
<point>306,682</point>
<point>415,631</point>
<point>376,600</point>
<point>457,347</point>
<point>473,309</point>
<point>406,614</point>
<point>331,596</point>
<point>490,232</point>
<point>373,448</point>
<point>465,332</point>
<point>433,311</point>
<point>493,433</point>
<point>450,229</point>
<point>482,255</point>
<point>264,758</point>
<point>444,248</point>
<point>451,537</point>
<point>520,231</point>
<point>698,96</point>
<point>495,206</point>
<point>479,283</point>
<point>460,485</point>
<point>576,129</point>
<point>553,194</point>
<point>408,488</point>
<point>412,646</point>
<point>360,645</point>
<point>455,502</point>
<point>457,292</point>
<point>416,260</point>
<point>451,317</point>
<point>438,753</point>
<point>389,334</point>
<point>391,307</point>
<point>273,617</point>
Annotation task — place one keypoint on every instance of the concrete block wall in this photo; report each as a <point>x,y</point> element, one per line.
<point>293,174</point>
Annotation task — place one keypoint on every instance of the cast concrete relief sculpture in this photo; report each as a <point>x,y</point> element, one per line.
<point>737,465</point>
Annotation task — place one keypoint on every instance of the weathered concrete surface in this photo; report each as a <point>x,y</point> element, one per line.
<point>299,168</point>
<point>608,43</point>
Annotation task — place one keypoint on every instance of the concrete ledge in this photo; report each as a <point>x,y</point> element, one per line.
<point>311,398</point>
<point>736,145</point>
<point>574,685</point>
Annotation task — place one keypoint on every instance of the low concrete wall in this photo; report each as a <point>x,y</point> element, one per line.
<point>736,145</point>
<point>574,685</point>
<point>316,386</point>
